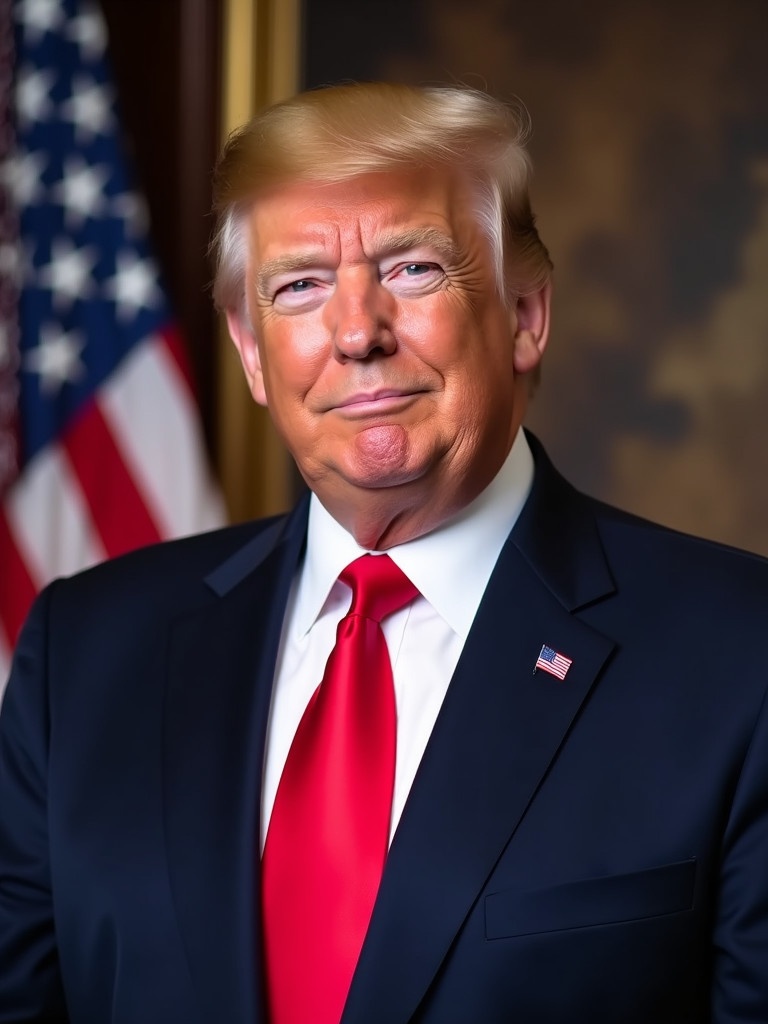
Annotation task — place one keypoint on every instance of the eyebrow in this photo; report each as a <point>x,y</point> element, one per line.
<point>287,264</point>
<point>385,244</point>
<point>434,238</point>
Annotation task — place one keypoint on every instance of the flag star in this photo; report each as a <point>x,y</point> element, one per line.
<point>89,107</point>
<point>33,100</point>
<point>38,17</point>
<point>56,358</point>
<point>132,208</point>
<point>81,190</point>
<point>22,175</point>
<point>68,275</point>
<point>134,285</point>
<point>89,32</point>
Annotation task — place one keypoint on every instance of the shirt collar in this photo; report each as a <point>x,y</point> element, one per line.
<point>465,548</point>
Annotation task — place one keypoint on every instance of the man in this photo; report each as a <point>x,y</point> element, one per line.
<point>574,793</point>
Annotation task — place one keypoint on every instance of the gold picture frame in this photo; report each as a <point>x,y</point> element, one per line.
<point>260,65</point>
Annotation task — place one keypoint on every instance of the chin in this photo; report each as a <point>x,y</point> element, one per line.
<point>381,478</point>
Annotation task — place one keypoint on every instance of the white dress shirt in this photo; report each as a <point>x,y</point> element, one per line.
<point>450,567</point>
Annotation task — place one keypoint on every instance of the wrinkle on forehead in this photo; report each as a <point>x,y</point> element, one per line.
<point>300,227</point>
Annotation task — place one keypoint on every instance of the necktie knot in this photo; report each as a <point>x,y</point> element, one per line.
<point>379,587</point>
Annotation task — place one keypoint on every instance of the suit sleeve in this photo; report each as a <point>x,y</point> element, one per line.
<point>740,933</point>
<point>30,982</point>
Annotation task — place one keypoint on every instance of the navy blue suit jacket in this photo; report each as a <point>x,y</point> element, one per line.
<point>588,850</point>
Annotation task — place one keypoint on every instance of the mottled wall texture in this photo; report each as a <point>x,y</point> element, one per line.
<point>650,145</point>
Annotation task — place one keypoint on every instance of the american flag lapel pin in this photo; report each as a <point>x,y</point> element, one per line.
<point>552,661</point>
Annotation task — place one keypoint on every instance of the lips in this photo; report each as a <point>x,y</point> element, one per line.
<point>364,397</point>
<point>380,401</point>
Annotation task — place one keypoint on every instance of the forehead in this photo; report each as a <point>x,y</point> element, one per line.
<point>369,212</point>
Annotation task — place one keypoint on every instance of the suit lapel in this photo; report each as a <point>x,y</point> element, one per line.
<point>499,730</point>
<point>221,666</point>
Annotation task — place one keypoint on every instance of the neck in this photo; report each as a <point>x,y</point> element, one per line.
<point>382,518</point>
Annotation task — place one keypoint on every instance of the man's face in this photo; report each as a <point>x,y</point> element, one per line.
<point>380,344</point>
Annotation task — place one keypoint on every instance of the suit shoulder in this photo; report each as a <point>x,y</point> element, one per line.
<point>649,548</point>
<point>174,565</point>
<point>624,535</point>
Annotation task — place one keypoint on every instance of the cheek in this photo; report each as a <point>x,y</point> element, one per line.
<point>474,354</point>
<point>433,333</point>
<point>293,354</point>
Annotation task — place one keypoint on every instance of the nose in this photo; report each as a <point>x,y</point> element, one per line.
<point>359,316</point>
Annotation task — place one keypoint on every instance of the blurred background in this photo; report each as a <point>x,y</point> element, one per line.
<point>650,148</point>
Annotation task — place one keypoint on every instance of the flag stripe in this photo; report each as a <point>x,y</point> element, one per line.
<point>553,662</point>
<point>117,507</point>
<point>17,589</point>
<point>49,519</point>
<point>149,410</point>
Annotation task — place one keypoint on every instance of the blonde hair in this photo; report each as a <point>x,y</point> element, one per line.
<point>333,134</point>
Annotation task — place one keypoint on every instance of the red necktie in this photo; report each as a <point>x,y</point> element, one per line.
<point>328,833</point>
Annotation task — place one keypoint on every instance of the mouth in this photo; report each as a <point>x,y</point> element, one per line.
<point>367,403</point>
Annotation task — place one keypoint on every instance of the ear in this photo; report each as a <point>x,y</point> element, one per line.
<point>242,335</point>
<point>530,324</point>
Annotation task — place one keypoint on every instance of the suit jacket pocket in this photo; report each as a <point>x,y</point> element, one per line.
<point>593,901</point>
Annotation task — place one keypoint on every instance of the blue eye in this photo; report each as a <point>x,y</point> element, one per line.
<point>414,269</point>
<point>300,286</point>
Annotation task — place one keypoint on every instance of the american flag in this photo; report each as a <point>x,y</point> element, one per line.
<point>100,446</point>
<point>553,662</point>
